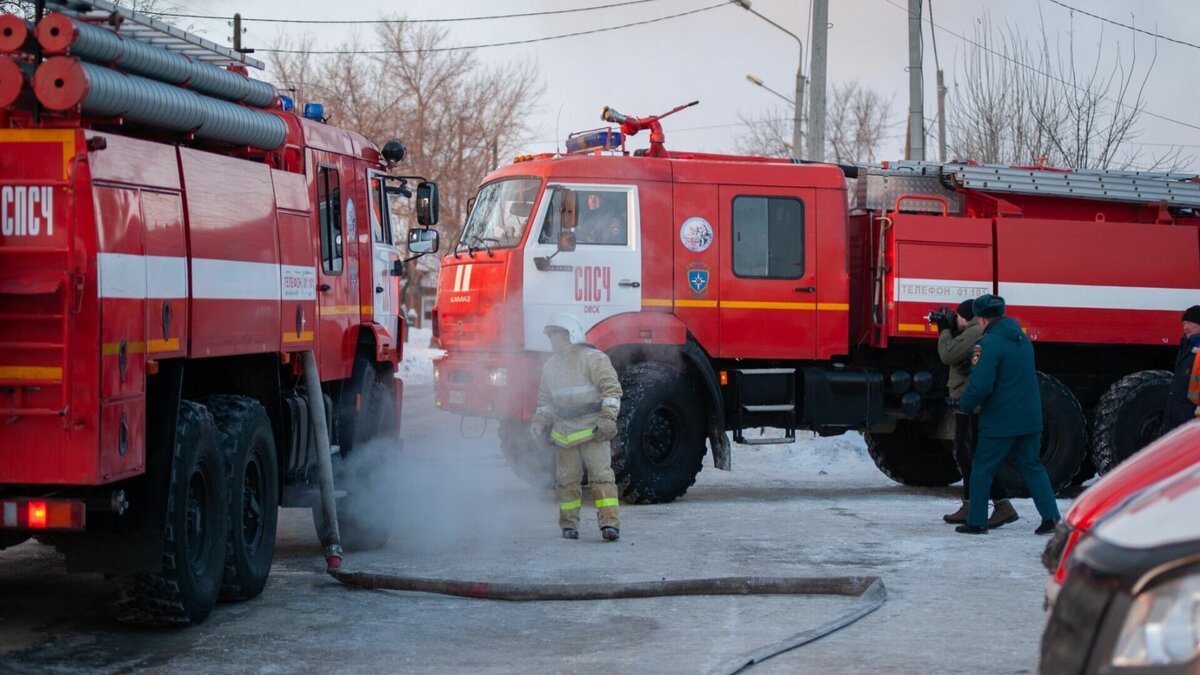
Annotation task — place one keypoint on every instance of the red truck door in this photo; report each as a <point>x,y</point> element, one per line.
<point>768,291</point>
<point>337,284</point>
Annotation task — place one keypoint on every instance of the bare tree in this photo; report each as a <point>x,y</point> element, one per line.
<point>768,135</point>
<point>1025,103</point>
<point>455,116</point>
<point>857,122</point>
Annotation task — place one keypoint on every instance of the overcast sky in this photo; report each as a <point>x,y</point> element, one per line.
<point>651,68</point>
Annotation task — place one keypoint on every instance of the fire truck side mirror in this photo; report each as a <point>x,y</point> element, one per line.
<point>566,239</point>
<point>427,205</point>
<point>423,240</point>
<point>567,217</point>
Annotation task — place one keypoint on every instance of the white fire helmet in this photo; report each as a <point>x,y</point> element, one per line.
<point>569,323</point>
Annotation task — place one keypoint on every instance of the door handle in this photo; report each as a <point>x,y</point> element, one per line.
<point>806,289</point>
<point>629,284</point>
<point>325,288</point>
<point>379,289</point>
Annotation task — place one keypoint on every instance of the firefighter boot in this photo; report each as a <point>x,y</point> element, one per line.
<point>570,533</point>
<point>959,516</point>
<point>1003,513</point>
<point>610,533</point>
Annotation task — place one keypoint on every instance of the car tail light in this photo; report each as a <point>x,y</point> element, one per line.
<point>43,514</point>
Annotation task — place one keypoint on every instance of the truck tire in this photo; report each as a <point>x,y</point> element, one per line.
<point>193,560</point>
<point>248,445</point>
<point>368,473</point>
<point>531,463</point>
<point>909,457</point>
<point>1128,416</point>
<point>1064,439</point>
<point>659,447</point>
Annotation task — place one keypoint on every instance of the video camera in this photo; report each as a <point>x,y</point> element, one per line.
<point>944,317</point>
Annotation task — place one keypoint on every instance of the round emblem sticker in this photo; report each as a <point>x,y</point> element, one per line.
<point>696,234</point>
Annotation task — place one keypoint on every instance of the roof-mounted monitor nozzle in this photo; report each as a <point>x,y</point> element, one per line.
<point>630,125</point>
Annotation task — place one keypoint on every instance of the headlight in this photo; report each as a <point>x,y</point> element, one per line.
<point>498,377</point>
<point>1162,626</point>
<point>436,375</point>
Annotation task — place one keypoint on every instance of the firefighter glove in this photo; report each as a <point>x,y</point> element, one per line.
<point>538,431</point>
<point>606,429</point>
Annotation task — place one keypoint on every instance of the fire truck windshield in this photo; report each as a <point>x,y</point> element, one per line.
<point>501,214</point>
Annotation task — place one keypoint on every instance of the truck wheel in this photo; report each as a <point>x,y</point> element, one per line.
<point>368,473</point>
<point>659,445</point>
<point>248,444</point>
<point>1064,439</point>
<point>909,457</point>
<point>532,463</point>
<point>193,561</point>
<point>1128,416</point>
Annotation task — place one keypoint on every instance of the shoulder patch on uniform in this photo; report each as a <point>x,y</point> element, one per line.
<point>976,352</point>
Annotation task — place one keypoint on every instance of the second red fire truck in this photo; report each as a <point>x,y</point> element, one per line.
<point>735,293</point>
<point>199,310</point>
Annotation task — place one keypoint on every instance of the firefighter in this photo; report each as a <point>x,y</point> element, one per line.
<point>578,402</point>
<point>1004,386</point>
<point>599,224</point>
<point>954,349</point>
<point>1179,409</point>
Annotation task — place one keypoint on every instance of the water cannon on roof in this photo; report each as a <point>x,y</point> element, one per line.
<point>631,125</point>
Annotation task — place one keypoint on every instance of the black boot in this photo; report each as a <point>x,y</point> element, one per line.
<point>970,529</point>
<point>570,533</point>
<point>610,533</point>
<point>1047,526</point>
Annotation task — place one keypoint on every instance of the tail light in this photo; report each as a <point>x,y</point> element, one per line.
<point>42,514</point>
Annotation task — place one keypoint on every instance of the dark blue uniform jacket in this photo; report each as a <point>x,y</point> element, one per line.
<point>1004,382</point>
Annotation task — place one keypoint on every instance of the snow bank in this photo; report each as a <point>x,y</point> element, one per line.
<point>417,366</point>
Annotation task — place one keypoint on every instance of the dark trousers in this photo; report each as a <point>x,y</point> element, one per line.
<point>966,435</point>
<point>990,453</point>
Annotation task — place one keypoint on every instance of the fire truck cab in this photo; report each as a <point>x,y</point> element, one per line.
<point>734,293</point>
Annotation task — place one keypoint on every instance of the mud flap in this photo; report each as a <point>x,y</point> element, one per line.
<point>718,441</point>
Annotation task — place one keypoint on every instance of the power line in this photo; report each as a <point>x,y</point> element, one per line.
<point>1022,64</point>
<point>1122,25</point>
<point>494,44</point>
<point>400,21</point>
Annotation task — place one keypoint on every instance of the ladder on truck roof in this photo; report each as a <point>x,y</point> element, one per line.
<point>159,33</point>
<point>1148,187</point>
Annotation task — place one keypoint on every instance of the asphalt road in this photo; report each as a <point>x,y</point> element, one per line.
<point>955,604</point>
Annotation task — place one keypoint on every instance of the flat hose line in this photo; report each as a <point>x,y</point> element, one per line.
<point>869,590</point>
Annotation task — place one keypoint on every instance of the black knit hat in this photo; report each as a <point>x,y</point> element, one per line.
<point>966,309</point>
<point>1192,314</point>
<point>989,306</point>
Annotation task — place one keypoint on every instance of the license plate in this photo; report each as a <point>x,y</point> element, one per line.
<point>458,397</point>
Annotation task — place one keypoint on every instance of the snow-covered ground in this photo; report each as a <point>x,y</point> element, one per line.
<point>417,366</point>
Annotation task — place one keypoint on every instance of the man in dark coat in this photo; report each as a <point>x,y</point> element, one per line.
<point>1004,385</point>
<point>1179,409</point>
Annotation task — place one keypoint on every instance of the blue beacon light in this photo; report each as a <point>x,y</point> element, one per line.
<point>314,111</point>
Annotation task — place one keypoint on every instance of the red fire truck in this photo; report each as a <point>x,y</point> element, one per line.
<point>174,243</point>
<point>741,292</point>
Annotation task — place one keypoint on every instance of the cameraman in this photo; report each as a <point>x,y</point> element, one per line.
<point>958,333</point>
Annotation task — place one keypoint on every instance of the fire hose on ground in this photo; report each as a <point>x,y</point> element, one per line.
<point>869,592</point>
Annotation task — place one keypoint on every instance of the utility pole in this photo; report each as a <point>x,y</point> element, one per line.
<point>816,104</point>
<point>941,92</point>
<point>916,104</point>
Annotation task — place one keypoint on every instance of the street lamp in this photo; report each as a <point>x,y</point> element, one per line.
<point>798,101</point>
<point>754,79</point>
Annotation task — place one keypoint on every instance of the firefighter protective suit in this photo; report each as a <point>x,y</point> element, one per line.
<point>579,399</point>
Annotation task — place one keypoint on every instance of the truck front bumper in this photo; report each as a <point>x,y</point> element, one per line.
<point>488,384</point>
